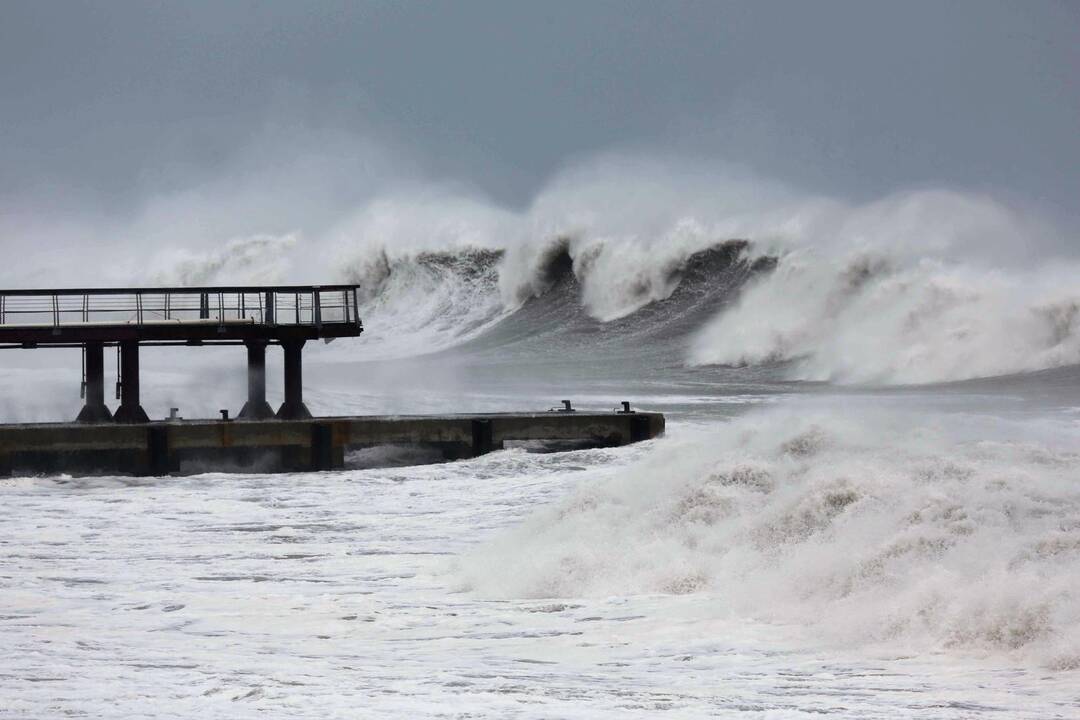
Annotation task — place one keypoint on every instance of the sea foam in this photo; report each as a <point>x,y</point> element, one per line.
<point>907,530</point>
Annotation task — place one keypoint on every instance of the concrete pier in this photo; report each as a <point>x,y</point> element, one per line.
<point>128,318</point>
<point>293,408</point>
<point>100,442</point>
<point>161,448</point>
<point>130,410</point>
<point>256,407</point>
<point>95,409</point>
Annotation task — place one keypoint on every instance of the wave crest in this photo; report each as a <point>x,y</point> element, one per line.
<point>917,287</point>
<point>868,319</point>
<point>419,303</point>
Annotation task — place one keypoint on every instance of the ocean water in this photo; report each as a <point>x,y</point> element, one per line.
<point>867,504</point>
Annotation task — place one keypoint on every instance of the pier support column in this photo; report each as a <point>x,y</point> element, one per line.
<point>130,411</point>
<point>256,407</point>
<point>293,408</point>
<point>94,410</point>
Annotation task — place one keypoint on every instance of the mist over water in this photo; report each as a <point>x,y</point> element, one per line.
<point>922,286</point>
<point>873,432</point>
<point>926,285</point>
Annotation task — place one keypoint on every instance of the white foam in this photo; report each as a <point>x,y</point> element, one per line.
<point>866,318</point>
<point>923,286</point>
<point>919,287</point>
<point>869,527</point>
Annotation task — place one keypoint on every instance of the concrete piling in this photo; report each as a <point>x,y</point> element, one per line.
<point>287,315</point>
<point>293,408</point>
<point>95,409</point>
<point>256,407</point>
<point>130,411</point>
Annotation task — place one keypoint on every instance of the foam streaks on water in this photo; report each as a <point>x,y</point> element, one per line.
<point>323,595</point>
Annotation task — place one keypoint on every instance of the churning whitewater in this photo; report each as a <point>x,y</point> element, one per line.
<point>815,264</point>
<point>870,527</point>
<point>867,504</point>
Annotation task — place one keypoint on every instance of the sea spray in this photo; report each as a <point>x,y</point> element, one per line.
<point>930,285</point>
<point>913,529</point>
<point>429,301</point>
<point>254,260</point>
<point>869,317</point>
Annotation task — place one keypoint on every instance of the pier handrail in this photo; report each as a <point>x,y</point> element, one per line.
<point>269,305</point>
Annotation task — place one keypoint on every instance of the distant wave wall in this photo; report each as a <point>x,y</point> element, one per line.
<point>918,287</point>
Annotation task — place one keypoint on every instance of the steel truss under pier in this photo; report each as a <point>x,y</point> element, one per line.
<point>127,318</point>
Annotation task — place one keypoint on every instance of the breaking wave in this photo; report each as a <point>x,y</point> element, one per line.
<point>557,321</point>
<point>696,270</point>
<point>867,526</point>
<point>869,319</point>
<point>557,295</point>
<point>427,301</point>
<point>921,287</point>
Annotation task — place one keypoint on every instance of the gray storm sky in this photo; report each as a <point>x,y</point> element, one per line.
<point>102,103</point>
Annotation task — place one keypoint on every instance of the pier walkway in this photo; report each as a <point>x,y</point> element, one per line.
<point>126,318</point>
<point>100,441</point>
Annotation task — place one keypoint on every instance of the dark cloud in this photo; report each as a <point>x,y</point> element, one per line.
<point>104,103</point>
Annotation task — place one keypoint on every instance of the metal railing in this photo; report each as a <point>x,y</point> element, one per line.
<point>313,305</point>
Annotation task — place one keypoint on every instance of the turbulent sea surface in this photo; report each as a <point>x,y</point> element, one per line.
<point>867,506</point>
